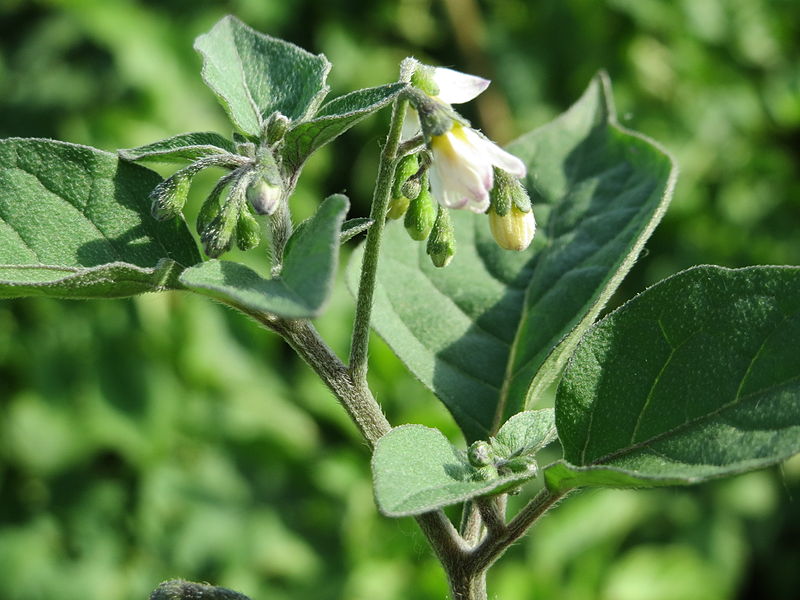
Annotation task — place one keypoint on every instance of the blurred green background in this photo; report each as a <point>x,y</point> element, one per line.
<point>164,436</point>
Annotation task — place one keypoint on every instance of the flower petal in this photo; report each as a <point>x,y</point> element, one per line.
<point>411,125</point>
<point>456,87</point>
<point>497,156</point>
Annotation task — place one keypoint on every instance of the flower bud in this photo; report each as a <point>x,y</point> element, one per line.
<point>169,196</point>
<point>248,231</point>
<point>421,214</point>
<point>442,242</point>
<point>217,237</point>
<point>397,207</point>
<point>276,127</point>
<point>406,167</point>
<point>513,231</point>
<point>480,454</point>
<point>264,196</point>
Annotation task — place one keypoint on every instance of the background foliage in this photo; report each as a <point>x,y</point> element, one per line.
<point>164,436</point>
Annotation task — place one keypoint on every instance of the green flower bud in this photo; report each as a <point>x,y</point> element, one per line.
<point>442,241</point>
<point>397,207</point>
<point>217,237</point>
<point>406,167</point>
<point>421,214</point>
<point>264,196</point>
<point>480,454</point>
<point>276,127</point>
<point>248,231</point>
<point>169,196</point>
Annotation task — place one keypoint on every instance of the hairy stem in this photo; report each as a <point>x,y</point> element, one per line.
<point>372,246</point>
<point>496,543</point>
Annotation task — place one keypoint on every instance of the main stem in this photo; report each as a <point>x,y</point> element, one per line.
<point>380,203</point>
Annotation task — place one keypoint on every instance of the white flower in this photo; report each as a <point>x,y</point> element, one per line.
<point>461,174</point>
<point>453,87</point>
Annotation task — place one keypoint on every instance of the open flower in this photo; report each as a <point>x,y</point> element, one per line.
<point>462,173</point>
<point>444,85</point>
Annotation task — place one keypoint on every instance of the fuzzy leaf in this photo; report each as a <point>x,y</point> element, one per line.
<point>309,266</point>
<point>75,223</point>
<point>697,377</point>
<point>416,470</point>
<point>186,147</point>
<point>488,333</point>
<point>254,75</point>
<point>526,433</point>
<point>334,118</point>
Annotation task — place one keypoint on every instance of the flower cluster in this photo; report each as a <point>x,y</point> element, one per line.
<point>465,170</point>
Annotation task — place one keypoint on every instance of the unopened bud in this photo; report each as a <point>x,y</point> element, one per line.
<point>276,127</point>
<point>169,196</point>
<point>397,207</point>
<point>264,196</point>
<point>421,214</point>
<point>513,231</point>
<point>406,167</point>
<point>480,454</point>
<point>442,242</point>
<point>217,237</point>
<point>248,231</point>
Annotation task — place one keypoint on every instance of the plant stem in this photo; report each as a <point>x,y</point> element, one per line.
<point>495,545</point>
<point>380,203</point>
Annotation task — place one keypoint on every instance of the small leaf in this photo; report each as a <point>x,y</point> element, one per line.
<point>333,119</point>
<point>526,433</point>
<point>186,147</point>
<point>75,223</point>
<point>697,377</point>
<point>254,75</point>
<point>416,470</point>
<point>309,265</point>
<point>352,227</point>
<point>492,330</point>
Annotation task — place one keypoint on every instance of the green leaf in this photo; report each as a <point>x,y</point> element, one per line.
<point>352,227</point>
<point>75,223</point>
<point>333,119</point>
<point>305,283</point>
<point>186,147</point>
<point>254,75</point>
<point>697,377</point>
<point>491,331</point>
<point>416,470</point>
<point>526,433</point>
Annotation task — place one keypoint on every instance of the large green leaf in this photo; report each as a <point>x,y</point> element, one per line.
<point>697,377</point>
<point>75,223</point>
<point>492,330</point>
<point>254,75</point>
<point>186,147</point>
<point>416,470</point>
<point>333,119</point>
<point>305,283</point>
